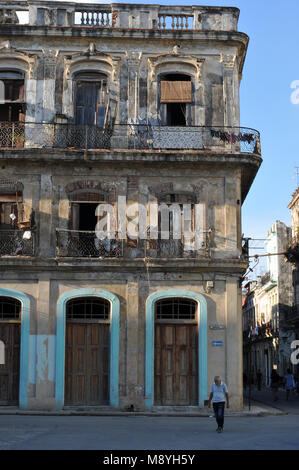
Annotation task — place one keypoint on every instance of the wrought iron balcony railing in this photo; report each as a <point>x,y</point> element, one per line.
<point>85,244</point>
<point>21,135</point>
<point>17,243</point>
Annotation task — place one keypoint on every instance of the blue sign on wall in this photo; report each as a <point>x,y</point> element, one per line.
<point>217,343</point>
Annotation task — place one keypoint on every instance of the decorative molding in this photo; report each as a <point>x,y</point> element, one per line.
<point>50,56</point>
<point>133,59</point>
<point>175,58</point>
<point>29,61</point>
<point>109,63</point>
<point>89,185</point>
<point>228,60</point>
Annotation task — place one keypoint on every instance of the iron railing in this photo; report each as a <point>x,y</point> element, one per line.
<point>19,135</point>
<point>85,244</point>
<point>17,243</point>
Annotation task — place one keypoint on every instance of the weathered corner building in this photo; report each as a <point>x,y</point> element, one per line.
<point>105,104</point>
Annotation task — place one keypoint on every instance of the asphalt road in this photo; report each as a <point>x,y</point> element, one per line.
<point>143,433</point>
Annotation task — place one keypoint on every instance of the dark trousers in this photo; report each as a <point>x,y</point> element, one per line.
<point>219,412</point>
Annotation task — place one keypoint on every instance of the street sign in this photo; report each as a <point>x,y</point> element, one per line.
<point>217,343</point>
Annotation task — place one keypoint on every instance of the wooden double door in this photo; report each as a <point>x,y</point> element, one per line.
<point>176,364</point>
<point>10,334</point>
<point>87,363</point>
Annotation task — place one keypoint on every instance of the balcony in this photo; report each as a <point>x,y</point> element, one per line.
<point>118,15</point>
<point>231,140</point>
<point>85,244</point>
<point>17,243</point>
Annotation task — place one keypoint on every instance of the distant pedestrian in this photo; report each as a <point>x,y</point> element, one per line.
<point>259,377</point>
<point>275,379</point>
<point>289,383</point>
<point>219,394</point>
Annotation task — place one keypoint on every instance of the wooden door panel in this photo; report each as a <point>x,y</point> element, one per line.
<point>10,371</point>
<point>176,364</point>
<point>87,373</point>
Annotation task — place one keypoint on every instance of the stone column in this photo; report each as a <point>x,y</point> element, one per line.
<point>50,62</point>
<point>45,216</point>
<point>234,352</point>
<point>45,348</point>
<point>231,220</point>
<point>135,392</point>
<point>133,62</point>
<point>229,62</point>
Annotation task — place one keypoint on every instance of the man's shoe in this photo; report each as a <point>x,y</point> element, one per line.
<point>220,429</point>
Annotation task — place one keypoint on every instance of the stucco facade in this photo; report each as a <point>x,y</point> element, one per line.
<point>139,153</point>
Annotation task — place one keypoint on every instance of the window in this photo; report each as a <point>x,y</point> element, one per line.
<point>182,202</point>
<point>83,210</point>
<point>10,309</point>
<point>11,210</point>
<point>91,98</point>
<point>175,99</point>
<point>88,308</point>
<point>12,107</point>
<point>176,309</point>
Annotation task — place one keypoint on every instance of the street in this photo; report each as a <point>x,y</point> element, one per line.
<point>177,433</point>
<point>270,432</point>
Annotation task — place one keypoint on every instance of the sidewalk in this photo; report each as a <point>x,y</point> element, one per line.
<point>265,397</point>
<point>256,409</point>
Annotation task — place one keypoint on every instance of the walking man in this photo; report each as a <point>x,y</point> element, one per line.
<point>219,394</point>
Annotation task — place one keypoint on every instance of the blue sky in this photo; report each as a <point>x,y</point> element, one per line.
<point>271,66</point>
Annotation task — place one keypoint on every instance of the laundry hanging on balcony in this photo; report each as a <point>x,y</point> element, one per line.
<point>176,92</point>
<point>231,137</point>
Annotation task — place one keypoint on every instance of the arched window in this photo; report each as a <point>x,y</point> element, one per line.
<point>10,309</point>
<point>173,309</point>
<point>88,309</point>
<point>175,99</point>
<point>12,101</point>
<point>91,98</point>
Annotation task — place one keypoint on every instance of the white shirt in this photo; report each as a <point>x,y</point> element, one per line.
<point>218,392</point>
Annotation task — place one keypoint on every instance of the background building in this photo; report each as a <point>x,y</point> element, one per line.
<point>292,255</point>
<point>267,332</point>
<point>139,102</point>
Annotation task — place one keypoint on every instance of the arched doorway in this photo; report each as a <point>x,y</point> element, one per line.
<point>150,341</point>
<point>176,352</point>
<point>10,335</point>
<point>87,354</point>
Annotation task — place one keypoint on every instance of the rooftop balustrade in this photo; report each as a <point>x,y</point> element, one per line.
<point>118,15</point>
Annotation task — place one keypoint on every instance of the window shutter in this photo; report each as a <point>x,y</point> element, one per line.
<point>176,92</point>
<point>74,216</point>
